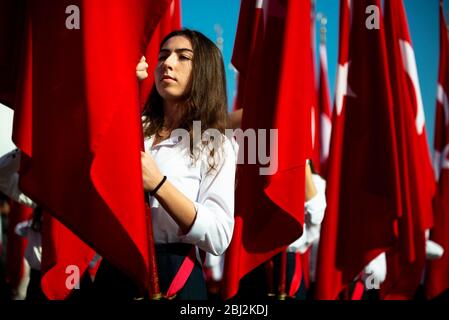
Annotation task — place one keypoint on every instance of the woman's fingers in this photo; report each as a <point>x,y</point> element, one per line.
<point>141,69</point>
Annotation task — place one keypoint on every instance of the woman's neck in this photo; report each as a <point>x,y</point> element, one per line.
<point>172,115</point>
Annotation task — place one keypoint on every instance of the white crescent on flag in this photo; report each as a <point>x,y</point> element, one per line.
<point>441,161</point>
<point>409,63</point>
<point>445,161</point>
<point>442,98</point>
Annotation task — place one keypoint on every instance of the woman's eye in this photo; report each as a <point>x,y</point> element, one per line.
<point>161,58</point>
<point>184,58</point>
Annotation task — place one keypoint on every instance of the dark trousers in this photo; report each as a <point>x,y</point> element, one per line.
<point>35,293</point>
<point>301,293</point>
<point>264,280</point>
<point>111,283</point>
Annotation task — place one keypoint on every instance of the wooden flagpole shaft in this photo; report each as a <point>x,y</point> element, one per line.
<point>154,289</point>
<point>283,276</point>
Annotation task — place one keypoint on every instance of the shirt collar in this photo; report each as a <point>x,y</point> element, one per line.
<point>171,141</point>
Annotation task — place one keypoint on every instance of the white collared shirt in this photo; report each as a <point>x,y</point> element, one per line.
<point>33,251</point>
<point>212,194</point>
<point>9,178</point>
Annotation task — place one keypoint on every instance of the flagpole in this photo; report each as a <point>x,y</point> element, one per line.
<point>219,32</point>
<point>154,291</point>
<point>283,276</point>
<point>154,288</point>
<point>323,30</point>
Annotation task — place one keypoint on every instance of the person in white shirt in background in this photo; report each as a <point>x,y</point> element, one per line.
<point>314,208</point>
<point>9,185</point>
<point>31,229</point>
<point>375,273</point>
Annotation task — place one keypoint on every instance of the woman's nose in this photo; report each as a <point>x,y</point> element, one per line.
<point>169,62</point>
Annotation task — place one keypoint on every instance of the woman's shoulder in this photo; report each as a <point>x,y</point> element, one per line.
<point>230,145</point>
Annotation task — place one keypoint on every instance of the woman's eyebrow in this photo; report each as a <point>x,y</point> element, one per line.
<point>176,50</point>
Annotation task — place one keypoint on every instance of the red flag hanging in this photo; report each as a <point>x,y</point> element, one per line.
<point>249,28</point>
<point>84,164</point>
<point>326,275</point>
<point>363,187</point>
<point>270,209</point>
<point>170,21</point>
<point>405,263</point>
<point>437,279</point>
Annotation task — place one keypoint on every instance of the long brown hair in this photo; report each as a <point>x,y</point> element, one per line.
<point>206,100</point>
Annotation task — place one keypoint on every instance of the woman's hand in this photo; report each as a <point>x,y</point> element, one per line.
<point>141,69</point>
<point>177,205</point>
<point>311,190</point>
<point>150,172</point>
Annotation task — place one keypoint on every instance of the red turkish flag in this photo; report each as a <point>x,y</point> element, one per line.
<point>81,148</point>
<point>327,279</point>
<point>437,278</point>
<point>170,21</point>
<point>269,211</point>
<point>363,187</point>
<point>405,262</point>
<point>250,27</point>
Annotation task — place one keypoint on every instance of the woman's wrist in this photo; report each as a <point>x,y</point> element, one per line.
<point>159,184</point>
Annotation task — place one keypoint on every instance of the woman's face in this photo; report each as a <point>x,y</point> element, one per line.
<point>173,71</point>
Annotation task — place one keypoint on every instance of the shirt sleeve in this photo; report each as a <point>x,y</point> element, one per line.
<point>9,178</point>
<point>214,222</point>
<point>314,214</point>
<point>300,244</point>
<point>315,207</point>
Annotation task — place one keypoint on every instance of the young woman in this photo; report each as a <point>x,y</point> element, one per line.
<point>188,165</point>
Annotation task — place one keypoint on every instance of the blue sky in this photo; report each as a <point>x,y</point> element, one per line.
<point>422,15</point>
<point>204,15</point>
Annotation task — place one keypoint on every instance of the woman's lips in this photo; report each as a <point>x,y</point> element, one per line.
<point>167,78</point>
